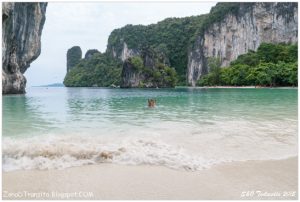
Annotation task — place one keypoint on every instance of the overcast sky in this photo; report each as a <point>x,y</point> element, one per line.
<point>88,25</point>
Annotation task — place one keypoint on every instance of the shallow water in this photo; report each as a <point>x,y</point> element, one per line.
<point>191,128</point>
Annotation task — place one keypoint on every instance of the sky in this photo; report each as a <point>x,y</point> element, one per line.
<point>88,25</point>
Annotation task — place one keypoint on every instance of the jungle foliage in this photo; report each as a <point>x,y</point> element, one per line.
<point>271,65</point>
<point>172,36</point>
<point>160,75</point>
<point>99,70</point>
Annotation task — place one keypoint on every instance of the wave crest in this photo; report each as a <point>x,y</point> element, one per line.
<point>62,152</point>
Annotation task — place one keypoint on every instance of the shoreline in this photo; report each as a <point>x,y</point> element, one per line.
<point>237,87</point>
<point>269,179</point>
<point>247,87</point>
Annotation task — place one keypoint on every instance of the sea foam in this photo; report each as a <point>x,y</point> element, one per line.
<point>185,148</point>
<point>59,152</point>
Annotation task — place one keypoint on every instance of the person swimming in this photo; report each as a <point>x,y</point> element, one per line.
<point>151,103</point>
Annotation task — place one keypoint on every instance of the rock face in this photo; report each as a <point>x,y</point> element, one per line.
<point>124,53</point>
<point>127,53</point>
<point>229,30</point>
<point>74,55</point>
<point>238,33</point>
<point>130,77</point>
<point>133,76</point>
<point>89,54</point>
<point>22,25</point>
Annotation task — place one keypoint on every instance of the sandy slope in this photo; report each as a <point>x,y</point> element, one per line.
<point>110,181</point>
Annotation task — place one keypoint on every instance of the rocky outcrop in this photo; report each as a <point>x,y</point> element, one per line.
<point>89,54</point>
<point>149,70</point>
<point>22,25</point>
<point>240,32</point>
<point>134,75</point>
<point>74,55</point>
<point>124,52</point>
<point>229,30</point>
<point>131,76</point>
<point>170,36</point>
<point>127,53</point>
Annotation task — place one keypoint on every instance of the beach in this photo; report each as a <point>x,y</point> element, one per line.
<point>188,101</point>
<point>269,179</point>
<point>82,143</point>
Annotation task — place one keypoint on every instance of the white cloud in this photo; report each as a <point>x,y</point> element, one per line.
<point>89,25</point>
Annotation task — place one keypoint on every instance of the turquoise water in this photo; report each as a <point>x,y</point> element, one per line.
<point>190,127</point>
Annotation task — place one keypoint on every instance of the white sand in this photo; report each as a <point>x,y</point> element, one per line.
<point>111,181</point>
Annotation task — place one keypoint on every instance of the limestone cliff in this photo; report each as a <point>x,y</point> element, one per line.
<point>229,30</point>
<point>133,74</point>
<point>74,55</point>
<point>149,70</point>
<point>236,33</point>
<point>22,25</point>
<point>130,77</point>
<point>124,52</point>
<point>171,37</point>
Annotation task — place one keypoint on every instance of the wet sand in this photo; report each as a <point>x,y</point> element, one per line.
<point>276,179</point>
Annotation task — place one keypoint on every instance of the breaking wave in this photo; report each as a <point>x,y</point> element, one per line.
<point>56,152</point>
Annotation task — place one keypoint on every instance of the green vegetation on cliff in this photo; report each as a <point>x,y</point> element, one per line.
<point>74,55</point>
<point>171,41</point>
<point>154,74</point>
<point>170,37</point>
<point>271,65</point>
<point>218,13</point>
<point>99,70</point>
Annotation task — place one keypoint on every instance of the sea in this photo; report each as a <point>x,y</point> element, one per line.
<point>190,129</point>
